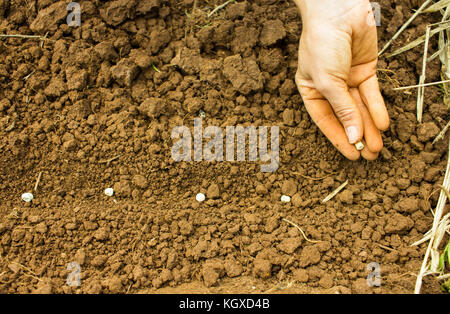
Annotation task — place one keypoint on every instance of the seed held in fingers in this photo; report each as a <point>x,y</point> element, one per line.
<point>359,146</point>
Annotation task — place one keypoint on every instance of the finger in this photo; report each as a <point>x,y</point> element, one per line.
<point>372,135</point>
<point>335,90</point>
<point>371,96</point>
<point>323,115</point>
<point>367,154</point>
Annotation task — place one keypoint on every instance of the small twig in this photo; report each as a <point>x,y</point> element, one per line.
<point>385,247</point>
<point>20,36</point>
<point>42,41</point>
<point>37,181</point>
<point>301,231</point>
<point>431,194</point>
<point>421,89</point>
<point>33,274</point>
<point>28,76</point>
<point>108,161</point>
<point>42,38</point>
<point>333,194</point>
<point>421,85</point>
<point>220,7</point>
<point>441,134</point>
<point>191,16</point>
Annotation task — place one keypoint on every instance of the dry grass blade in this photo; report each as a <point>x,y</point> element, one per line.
<point>385,247</point>
<point>437,6</point>
<point>422,7</point>
<point>301,231</point>
<point>418,41</point>
<point>32,273</point>
<point>41,38</point>
<point>443,277</point>
<point>431,261</point>
<point>442,225</point>
<point>441,43</point>
<point>421,85</point>
<point>220,7</point>
<point>435,55</point>
<point>444,55</point>
<point>445,60</point>
<point>37,181</point>
<point>421,89</point>
<point>441,134</point>
<point>333,194</point>
<point>445,75</point>
<point>433,244</point>
<point>110,160</point>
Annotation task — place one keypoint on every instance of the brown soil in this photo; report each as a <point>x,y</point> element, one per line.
<point>89,111</point>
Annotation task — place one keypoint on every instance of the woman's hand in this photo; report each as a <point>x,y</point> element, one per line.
<point>336,75</point>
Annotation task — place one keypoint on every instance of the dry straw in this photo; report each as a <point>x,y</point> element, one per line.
<point>335,192</point>
<point>441,223</point>
<point>219,7</point>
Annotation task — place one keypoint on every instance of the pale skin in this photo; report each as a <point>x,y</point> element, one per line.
<point>337,77</point>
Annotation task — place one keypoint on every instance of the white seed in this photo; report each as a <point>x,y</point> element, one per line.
<point>27,197</point>
<point>109,192</point>
<point>200,197</point>
<point>285,199</point>
<point>359,146</point>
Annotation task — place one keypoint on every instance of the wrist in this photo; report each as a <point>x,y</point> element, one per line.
<point>304,5</point>
<point>310,8</point>
<point>339,11</point>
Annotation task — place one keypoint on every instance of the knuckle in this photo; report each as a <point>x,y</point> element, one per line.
<point>345,113</point>
<point>328,85</point>
<point>323,85</point>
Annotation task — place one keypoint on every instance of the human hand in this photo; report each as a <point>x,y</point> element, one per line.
<point>336,75</point>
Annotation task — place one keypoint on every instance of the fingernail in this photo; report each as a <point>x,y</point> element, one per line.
<point>352,134</point>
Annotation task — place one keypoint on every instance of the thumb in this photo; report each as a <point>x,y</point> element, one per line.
<point>335,90</point>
